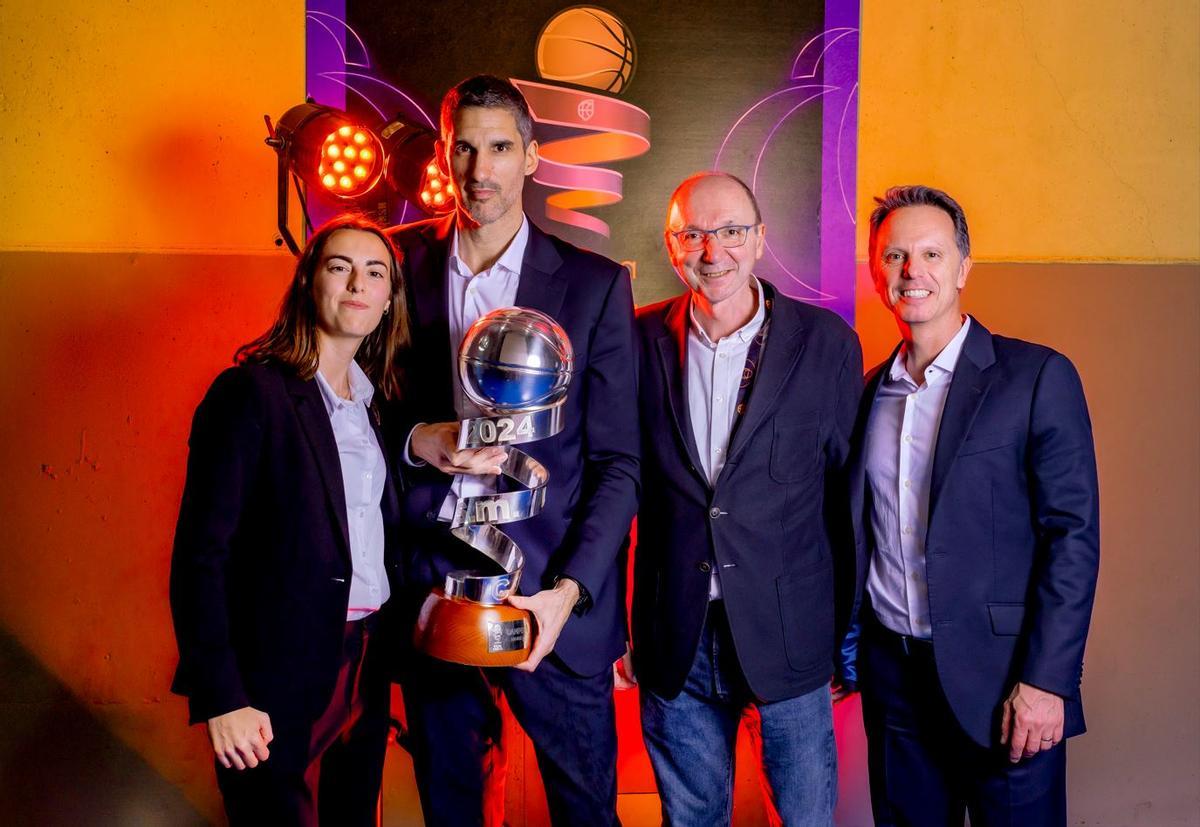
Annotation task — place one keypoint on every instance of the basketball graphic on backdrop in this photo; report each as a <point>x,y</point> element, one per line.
<point>587,46</point>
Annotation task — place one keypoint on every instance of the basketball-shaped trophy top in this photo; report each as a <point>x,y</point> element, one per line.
<point>515,359</point>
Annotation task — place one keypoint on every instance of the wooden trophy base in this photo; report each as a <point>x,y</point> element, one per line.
<point>463,631</point>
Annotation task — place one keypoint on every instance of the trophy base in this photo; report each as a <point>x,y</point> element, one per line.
<point>474,634</point>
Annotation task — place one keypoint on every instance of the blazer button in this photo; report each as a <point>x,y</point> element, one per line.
<point>705,567</point>
<point>430,516</point>
<point>714,512</point>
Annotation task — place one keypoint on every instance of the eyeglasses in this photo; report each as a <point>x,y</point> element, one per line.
<point>732,235</point>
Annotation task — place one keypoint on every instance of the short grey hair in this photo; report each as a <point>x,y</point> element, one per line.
<point>918,195</point>
<point>487,92</point>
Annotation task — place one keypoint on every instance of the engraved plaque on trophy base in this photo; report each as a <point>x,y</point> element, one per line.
<point>475,634</point>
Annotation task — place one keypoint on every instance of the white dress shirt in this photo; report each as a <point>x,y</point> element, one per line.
<point>714,372</point>
<point>469,296</point>
<point>363,476</point>
<point>901,436</point>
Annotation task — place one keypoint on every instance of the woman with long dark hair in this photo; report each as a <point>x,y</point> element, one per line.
<point>283,560</point>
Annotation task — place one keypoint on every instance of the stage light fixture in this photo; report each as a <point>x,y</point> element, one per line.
<point>412,171</point>
<point>329,152</point>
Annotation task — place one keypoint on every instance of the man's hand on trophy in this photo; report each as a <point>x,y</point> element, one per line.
<point>550,608</point>
<point>437,444</point>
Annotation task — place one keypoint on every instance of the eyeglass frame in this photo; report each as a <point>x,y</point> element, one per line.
<point>713,232</point>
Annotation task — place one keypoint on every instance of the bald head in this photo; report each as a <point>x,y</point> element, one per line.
<point>719,186</point>
<point>714,236</point>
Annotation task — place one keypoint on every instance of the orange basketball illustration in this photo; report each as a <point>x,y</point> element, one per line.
<point>587,46</point>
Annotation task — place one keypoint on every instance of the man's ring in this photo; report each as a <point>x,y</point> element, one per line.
<point>1044,740</point>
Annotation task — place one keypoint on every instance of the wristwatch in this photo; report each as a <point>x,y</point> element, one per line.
<point>585,600</point>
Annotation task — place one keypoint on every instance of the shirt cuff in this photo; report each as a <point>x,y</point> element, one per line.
<point>408,458</point>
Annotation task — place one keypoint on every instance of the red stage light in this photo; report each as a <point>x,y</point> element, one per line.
<point>412,171</point>
<point>437,191</point>
<point>343,145</point>
<point>323,146</point>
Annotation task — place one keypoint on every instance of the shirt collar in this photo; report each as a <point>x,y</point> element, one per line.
<point>744,333</point>
<point>361,390</point>
<point>945,362</point>
<point>510,259</point>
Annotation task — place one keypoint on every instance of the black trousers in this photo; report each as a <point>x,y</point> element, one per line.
<point>327,771</point>
<point>455,726</point>
<point>925,771</point>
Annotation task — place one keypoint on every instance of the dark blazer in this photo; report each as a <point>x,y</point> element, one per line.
<point>260,576</point>
<point>582,532</point>
<point>1013,541</point>
<point>776,522</point>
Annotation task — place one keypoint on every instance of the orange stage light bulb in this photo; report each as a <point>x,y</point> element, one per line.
<point>346,182</point>
<point>345,131</point>
<point>360,172</point>
<point>329,181</point>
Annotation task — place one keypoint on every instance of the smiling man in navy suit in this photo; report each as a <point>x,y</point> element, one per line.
<point>975,486</point>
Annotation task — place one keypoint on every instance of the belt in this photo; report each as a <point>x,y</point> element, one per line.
<point>368,624</point>
<point>909,645</point>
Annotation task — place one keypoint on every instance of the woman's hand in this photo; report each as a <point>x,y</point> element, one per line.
<point>240,738</point>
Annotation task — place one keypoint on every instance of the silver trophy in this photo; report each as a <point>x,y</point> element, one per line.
<point>515,365</point>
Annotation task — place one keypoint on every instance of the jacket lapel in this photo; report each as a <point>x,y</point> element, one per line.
<point>857,461</point>
<point>968,388</point>
<point>390,506</point>
<point>781,351</point>
<point>425,266</point>
<point>542,284</point>
<point>314,421</point>
<point>672,356</point>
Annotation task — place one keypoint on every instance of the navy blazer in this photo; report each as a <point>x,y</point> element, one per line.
<point>1013,541</point>
<point>582,532</point>
<point>260,575</point>
<point>776,522</point>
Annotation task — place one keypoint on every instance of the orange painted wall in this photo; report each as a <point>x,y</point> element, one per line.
<point>138,125</point>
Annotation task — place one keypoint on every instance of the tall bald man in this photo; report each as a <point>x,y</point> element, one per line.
<point>744,567</point>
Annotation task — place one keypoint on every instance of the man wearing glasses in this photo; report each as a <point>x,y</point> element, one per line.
<point>744,572</point>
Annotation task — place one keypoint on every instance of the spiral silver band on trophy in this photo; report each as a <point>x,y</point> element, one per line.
<point>515,364</point>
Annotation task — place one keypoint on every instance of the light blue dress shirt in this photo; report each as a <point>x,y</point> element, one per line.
<point>901,436</point>
<point>469,296</point>
<point>714,372</point>
<point>363,477</point>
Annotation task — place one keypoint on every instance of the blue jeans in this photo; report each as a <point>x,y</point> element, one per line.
<point>691,740</point>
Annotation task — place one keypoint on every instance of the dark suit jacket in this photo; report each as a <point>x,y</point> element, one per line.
<point>583,529</point>
<point>776,522</point>
<point>1013,541</point>
<point>260,576</point>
